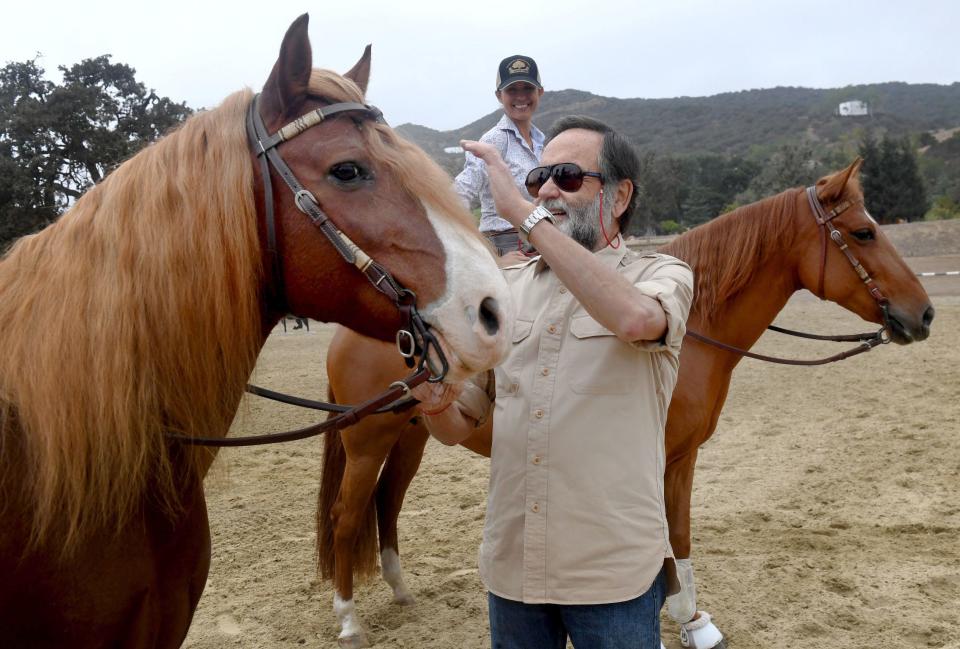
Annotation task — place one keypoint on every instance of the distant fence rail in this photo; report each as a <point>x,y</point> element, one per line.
<point>649,244</point>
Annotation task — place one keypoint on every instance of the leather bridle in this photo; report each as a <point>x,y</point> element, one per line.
<point>415,339</point>
<point>824,223</point>
<point>868,341</point>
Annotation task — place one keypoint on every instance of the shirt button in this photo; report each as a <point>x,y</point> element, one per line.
<point>536,459</point>
<point>552,329</point>
<point>545,371</point>
<point>514,387</point>
<point>538,414</point>
<point>563,289</point>
<point>535,508</point>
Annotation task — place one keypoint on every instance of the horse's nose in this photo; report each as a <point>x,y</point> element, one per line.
<point>927,320</point>
<point>490,315</point>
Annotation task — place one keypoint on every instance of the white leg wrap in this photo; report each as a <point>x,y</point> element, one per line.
<point>701,633</point>
<point>351,632</point>
<point>683,606</point>
<point>393,575</point>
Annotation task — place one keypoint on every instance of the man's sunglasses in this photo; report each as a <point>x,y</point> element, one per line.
<point>568,176</point>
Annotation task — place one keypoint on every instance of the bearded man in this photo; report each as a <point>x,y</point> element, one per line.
<point>575,542</point>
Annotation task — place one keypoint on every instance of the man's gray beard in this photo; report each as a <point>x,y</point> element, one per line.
<point>583,221</point>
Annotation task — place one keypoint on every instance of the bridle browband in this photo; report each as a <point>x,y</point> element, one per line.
<point>415,339</point>
<point>867,340</point>
<point>824,223</point>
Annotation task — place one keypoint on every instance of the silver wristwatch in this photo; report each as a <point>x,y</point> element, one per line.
<point>535,217</point>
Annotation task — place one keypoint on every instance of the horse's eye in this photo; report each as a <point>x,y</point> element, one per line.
<point>348,172</point>
<point>865,234</point>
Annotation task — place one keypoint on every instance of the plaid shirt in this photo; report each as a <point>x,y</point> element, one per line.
<point>473,181</point>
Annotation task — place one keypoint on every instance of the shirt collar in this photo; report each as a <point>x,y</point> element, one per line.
<point>507,124</point>
<point>609,255</point>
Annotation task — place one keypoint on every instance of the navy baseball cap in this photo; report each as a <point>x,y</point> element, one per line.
<point>517,68</point>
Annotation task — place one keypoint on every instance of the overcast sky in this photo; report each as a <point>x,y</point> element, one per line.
<point>434,62</point>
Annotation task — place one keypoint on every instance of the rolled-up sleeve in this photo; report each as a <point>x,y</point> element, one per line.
<point>476,399</point>
<point>671,284</point>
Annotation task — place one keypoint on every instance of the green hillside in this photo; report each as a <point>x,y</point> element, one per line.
<point>703,155</point>
<point>736,122</point>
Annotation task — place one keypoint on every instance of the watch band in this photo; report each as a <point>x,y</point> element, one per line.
<point>537,215</point>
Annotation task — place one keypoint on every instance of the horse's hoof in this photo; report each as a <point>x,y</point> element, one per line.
<point>701,633</point>
<point>356,641</point>
<point>404,599</point>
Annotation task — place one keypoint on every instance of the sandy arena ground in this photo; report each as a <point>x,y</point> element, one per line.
<point>826,507</point>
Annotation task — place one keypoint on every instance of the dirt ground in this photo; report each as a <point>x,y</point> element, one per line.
<point>826,507</point>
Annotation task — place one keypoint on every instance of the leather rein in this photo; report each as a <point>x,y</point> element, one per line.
<point>867,340</point>
<point>415,339</point>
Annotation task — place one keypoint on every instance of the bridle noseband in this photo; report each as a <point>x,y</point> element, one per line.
<point>415,339</point>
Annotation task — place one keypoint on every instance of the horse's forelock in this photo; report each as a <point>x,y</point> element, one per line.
<point>334,87</point>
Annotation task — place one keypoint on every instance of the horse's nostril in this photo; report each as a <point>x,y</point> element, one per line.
<point>490,315</point>
<point>928,316</point>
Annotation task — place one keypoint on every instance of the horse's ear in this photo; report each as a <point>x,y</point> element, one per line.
<point>286,87</point>
<point>360,73</point>
<point>830,188</point>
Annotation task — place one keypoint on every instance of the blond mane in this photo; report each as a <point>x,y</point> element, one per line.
<point>134,314</point>
<point>137,313</point>
<point>727,253</point>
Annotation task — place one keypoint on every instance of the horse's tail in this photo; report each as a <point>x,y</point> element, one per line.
<point>365,547</point>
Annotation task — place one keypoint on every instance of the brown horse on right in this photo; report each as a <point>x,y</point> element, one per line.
<point>746,264</point>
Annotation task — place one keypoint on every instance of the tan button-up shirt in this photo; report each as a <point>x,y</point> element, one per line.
<point>575,513</point>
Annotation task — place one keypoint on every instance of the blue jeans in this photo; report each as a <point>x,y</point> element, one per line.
<point>634,624</point>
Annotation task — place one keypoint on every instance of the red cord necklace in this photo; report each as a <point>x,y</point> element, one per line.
<point>602,229</point>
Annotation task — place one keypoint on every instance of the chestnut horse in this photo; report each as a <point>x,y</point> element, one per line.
<point>746,266</point>
<point>139,314</point>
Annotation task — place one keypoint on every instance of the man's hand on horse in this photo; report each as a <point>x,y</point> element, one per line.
<point>486,152</point>
<point>440,412</point>
<point>435,397</point>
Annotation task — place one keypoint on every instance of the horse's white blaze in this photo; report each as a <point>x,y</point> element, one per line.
<point>393,575</point>
<point>472,277</point>
<point>347,615</point>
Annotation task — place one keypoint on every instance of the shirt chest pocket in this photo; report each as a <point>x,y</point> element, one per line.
<point>508,373</point>
<point>597,362</point>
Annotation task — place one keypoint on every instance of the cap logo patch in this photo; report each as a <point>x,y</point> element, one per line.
<point>519,66</point>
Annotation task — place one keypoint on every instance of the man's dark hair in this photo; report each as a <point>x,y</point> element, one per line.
<point>618,159</point>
